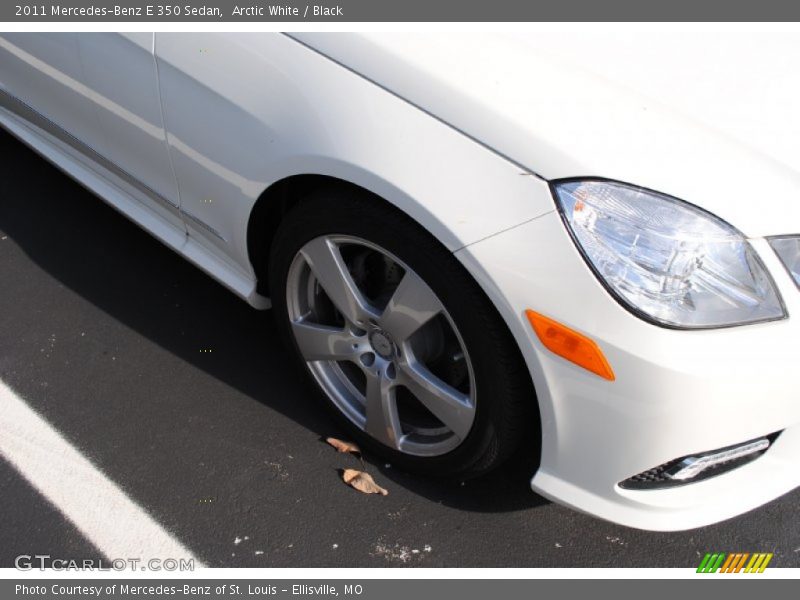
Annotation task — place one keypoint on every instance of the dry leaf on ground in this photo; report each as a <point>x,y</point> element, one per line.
<point>363,482</point>
<point>348,447</point>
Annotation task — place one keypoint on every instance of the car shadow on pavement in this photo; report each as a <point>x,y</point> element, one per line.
<point>87,247</point>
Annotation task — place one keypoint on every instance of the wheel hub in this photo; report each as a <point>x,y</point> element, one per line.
<point>382,343</point>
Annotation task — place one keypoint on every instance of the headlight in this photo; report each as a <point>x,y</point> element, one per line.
<point>788,249</point>
<point>665,259</point>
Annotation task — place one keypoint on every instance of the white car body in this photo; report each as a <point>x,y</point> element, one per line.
<point>463,133</point>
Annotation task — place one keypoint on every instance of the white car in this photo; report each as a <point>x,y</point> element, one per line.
<point>587,246</point>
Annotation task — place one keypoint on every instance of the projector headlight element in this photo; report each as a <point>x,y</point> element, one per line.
<point>666,260</point>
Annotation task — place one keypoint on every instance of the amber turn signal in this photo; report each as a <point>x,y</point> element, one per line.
<point>569,344</point>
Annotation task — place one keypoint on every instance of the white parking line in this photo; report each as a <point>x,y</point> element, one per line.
<point>98,508</point>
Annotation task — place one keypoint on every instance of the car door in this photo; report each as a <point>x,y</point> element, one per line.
<point>41,79</point>
<point>120,71</point>
<point>214,111</point>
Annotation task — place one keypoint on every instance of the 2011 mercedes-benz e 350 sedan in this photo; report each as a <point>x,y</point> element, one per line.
<point>583,246</point>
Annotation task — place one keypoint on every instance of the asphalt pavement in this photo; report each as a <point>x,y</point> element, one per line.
<point>184,397</point>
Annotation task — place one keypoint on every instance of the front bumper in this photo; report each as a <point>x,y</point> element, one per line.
<point>676,392</point>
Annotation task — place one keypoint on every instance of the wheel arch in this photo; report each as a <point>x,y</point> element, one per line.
<point>279,198</point>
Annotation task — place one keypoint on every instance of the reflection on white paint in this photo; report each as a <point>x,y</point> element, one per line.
<point>94,504</point>
<point>249,187</point>
<point>85,91</point>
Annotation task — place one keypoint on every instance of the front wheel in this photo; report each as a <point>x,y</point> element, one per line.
<point>402,343</point>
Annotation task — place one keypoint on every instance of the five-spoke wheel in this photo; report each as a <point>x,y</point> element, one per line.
<point>402,342</point>
<point>381,344</point>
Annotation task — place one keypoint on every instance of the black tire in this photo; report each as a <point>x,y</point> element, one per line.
<point>506,408</point>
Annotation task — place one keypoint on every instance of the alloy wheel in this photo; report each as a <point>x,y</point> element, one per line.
<point>381,345</point>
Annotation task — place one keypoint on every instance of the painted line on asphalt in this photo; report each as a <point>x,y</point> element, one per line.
<point>95,505</point>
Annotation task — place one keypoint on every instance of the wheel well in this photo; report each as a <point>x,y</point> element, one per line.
<point>268,211</point>
<point>279,198</point>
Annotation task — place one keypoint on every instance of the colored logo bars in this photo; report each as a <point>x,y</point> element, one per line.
<point>734,562</point>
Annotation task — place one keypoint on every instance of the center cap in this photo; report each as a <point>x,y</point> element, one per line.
<point>382,343</point>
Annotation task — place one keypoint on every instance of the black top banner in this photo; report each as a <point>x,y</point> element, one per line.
<point>401,11</point>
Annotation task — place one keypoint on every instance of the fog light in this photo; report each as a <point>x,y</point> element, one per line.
<point>699,466</point>
<point>691,466</point>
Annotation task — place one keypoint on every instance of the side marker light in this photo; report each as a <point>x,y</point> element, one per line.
<point>570,344</point>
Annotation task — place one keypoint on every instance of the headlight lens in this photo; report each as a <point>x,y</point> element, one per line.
<point>788,249</point>
<point>666,259</point>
